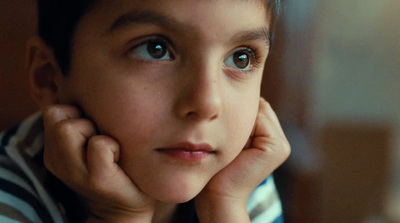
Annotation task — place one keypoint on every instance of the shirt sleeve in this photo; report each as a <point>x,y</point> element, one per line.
<point>264,205</point>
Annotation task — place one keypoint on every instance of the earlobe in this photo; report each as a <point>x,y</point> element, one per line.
<point>43,71</point>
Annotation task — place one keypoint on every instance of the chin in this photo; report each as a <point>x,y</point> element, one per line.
<point>178,193</point>
<point>175,189</point>
<point>176,198</point>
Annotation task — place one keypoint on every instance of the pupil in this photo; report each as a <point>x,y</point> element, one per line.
<point>156,49</point>
<point>241,60</point>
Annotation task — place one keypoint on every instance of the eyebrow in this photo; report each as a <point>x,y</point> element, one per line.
<point>159,19</point>
<point>253,35</point>
<point>144,17</point>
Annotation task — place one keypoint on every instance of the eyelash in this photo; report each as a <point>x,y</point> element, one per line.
<point>253,52</point>
<point>147,40</point>
<point>255,58</point>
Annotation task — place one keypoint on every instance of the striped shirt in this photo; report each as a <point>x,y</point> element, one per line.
<point>29,193</point>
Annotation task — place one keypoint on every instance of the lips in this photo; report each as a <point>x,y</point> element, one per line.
<point>187,151</point>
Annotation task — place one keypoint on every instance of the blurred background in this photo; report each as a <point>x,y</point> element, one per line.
<point>333,76</point>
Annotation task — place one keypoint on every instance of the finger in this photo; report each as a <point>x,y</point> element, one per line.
<point>269,136</point>
<point>56,113</point>
<point>64,128</point>
<point>73,133</point>
<point>255,164</point>
<point>105,175</point>
<point>65,143</point>
<point>264,161</point>
<point>264,127</point>
<point>269,117</point>
<point>102,154</point>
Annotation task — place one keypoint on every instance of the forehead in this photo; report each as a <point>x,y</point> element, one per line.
<point>141,4</point>
<point>114,14</point>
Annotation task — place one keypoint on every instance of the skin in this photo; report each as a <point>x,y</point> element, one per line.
<point>129,105</point>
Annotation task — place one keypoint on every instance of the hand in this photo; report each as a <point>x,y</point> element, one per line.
<point>228,191</point>
<point>87,163</point>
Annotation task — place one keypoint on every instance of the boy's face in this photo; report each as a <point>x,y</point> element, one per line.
<point>176,83</point>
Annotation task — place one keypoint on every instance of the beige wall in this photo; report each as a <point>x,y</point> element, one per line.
<point>356,82</point>
<point>356,72</point>
<point>341,75</point>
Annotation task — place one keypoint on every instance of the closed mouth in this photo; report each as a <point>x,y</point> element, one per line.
<point>188,151</point>
<point>190,147</point>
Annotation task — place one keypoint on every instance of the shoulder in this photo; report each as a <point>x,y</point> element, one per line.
<point>20,197</point>
<point>264,204</point>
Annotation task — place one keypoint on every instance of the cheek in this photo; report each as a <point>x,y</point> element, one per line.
<point>120,110</point>
<point>241,118</point>
<point>126,117</point>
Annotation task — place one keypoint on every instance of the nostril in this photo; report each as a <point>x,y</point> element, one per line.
<point>214,117</point>
<point>197,115</point>
<point>191,114</point>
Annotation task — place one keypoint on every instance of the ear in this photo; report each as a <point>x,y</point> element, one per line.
<point>43,71</point>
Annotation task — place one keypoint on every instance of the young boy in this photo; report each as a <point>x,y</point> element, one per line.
<point>151,113</point>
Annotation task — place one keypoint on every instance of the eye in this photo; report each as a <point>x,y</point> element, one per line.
<point>240,59</point>
<point>152,49</point>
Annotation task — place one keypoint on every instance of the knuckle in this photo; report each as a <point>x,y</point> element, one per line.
<point>102,141</point>
<point>97,140</point>
<point>286,149</point>
<point>55,113</point>
<point>95,145</point>
<point>265,104</point>
<point>265,110</point>
<point>50,110</point>
<point>278,148</point>
<point>49,115</point>
<point>64,128</point>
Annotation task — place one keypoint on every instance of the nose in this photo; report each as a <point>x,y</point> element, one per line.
<point>200,95</point>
